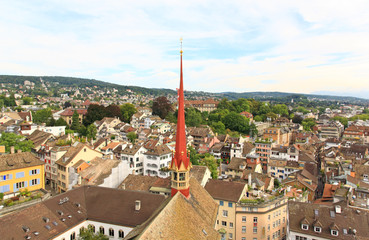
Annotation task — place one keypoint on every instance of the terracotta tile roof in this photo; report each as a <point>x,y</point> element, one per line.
<point>99,170</point>
<point>348,219</point>
<point>93,206</point>
<point>24,115</point>
<point>329,190</point>
<point>199,132</point>
<point>247,147</point>
<point>198,172</point>
<point>39,137</point>
<point>138,182</point>
<point>111,145</point>
<point>158,150</point>
<point>150,144</point>
<point>131,149</point>
<point>224,190</point>
<point>70,154</point>
<point>180,218</point>
<point>236,163</point>
<point>18,160</point>
<point>69,112</point>
<point>98,142</point>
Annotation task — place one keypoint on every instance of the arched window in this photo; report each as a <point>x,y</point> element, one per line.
<point>73,236</point>
<point>81,230</point>
<point>121,233</point>
<point>91,227</point>
<point>102,230</point>
<point>111,232</point>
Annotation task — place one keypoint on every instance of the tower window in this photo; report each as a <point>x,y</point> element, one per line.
<point>182,176</point>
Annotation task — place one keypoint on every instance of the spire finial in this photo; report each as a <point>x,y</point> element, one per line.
<point>181,39</point>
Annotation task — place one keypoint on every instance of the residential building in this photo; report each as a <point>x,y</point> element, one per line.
<point>266,219</point>
<point>332,129</point>
<point>76,154</point>
<point>27,129</point>
<point>20,171</point>
<point>226,194</point>
<point>281,136</point>
<point>157,161</point>
<point>263,149</point>
<point>207,105</point>
<point>67,115</point>
<point>134,155</point>
<point>318,221</point>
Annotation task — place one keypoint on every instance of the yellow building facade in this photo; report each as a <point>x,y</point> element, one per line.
<point>21,171</point>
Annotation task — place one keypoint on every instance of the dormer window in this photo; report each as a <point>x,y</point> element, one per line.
<point>304,227</point>
<point>334,232</point>
<point>318,229</point>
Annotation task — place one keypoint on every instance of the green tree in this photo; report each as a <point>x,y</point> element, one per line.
<point>94,113</point>
<point>280,109</point>
<point>297,119</point>
<point>132,136</point>
<point>241,105</point>
<point>89,234</point>
<point>258,118</point>
<point>91,131</point>
<point>302,110</point>
<point>114,111</point>
<point>308,123</point>
<point>18,141</point>
<point>212,164</point>
<point>61,122</point>
<point>27,100</point>
<point>75,121</point>
<point>236,122</point>
<point>225,104</point>
<point>218,127</point>
<point>42,116</point>
<point>127,111</point>
<point>161,107</point>
<point>264,108</point>
<point>193,117</point>
<point>50,122</point>
<point>194,157</point>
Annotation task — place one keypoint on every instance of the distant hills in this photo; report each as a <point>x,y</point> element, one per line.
<point>83,82</point>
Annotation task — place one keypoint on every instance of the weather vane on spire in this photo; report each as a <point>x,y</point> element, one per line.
<point>181,39</point>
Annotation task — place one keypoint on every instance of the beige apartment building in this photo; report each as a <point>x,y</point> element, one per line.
<point>226,194</point>
<point>257,220</point>
<point>77,155</point>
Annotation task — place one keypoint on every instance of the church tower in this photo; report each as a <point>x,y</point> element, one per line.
<point>181,164</point>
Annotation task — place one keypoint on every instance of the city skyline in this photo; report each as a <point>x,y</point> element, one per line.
<point>238,46</point>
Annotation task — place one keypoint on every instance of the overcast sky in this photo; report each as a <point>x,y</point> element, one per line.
<point>288,46</point>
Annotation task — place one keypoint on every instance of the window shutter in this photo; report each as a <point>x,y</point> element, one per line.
<point>38,171</point>
<point>1,189</point>
<point>10,176</point>
<point>30,172</point>
<point>6,188</point>
<point>30,183</point>
<point>15,187</point>
<point>25,183</point>
<point>38,181</point>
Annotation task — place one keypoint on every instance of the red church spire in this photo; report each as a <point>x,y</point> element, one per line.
<point>180,162</point>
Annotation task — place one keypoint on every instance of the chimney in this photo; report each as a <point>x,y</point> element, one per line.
<point>11,149</point>
<point>123,186</point>
<point>19,151</point>
<point>137,205</point>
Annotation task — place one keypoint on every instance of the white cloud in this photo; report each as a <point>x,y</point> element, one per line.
<point>295,46</point>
